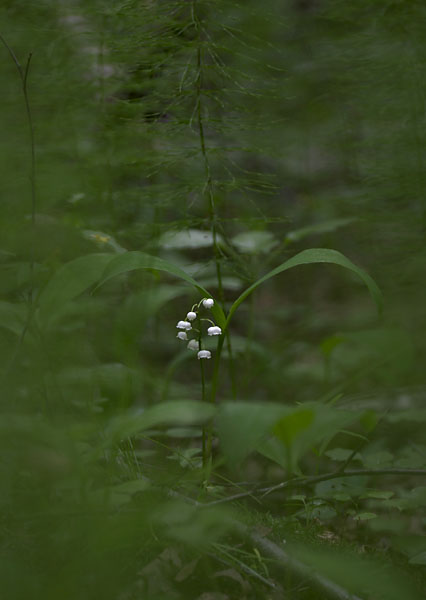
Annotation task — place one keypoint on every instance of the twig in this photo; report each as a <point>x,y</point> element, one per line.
<point>295,566</point>
<point>336,474</point>
<point>307,481</point>
<point>277,553</point>
<point>235,562</point>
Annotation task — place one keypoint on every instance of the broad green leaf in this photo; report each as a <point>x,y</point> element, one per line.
<point>341,497</point>
<point>310,425</point>
<point>379,494</point>
<point>179,412</point>
<point>399,503</point>
<point>242,426</point>
<point>69,281</point>
<point>364,516</point>
<point>273,449</point>
<point>300,429</point>
<point>312,256</point>
<point>290,426</point>
<point>131,261</point>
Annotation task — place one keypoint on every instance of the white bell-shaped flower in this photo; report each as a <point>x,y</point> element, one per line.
<point>204,354</point>
<point>191,315</point>
<point>192,345</point>
<point>184,325</point>
<point>182,335</point>
<point>208,302</point>
<point>215,330</point>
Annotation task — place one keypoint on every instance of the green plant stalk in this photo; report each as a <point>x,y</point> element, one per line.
<point>208,190</point>
<point>203,397</point>
<point>206,433</point>
<point>23,75</point>
<point>209,184</point>
<point>215,379</point>
<point>231,365</point>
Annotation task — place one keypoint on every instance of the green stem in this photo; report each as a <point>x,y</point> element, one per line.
<point>23,75</point>
<point>209,184</point>
<point>208,190</point>
<point>205,433</point>
<point>203,395</point>
<point>215,377</point>
<point>231,366</point>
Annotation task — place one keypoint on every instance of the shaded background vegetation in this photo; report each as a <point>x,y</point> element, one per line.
<point>313,117</point>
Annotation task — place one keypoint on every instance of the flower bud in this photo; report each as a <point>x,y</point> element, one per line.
<point>182,335</point>
<point>208,302</point>
<point>214,330</point>
<point>184,325</point>
<point>204,354</point>
<point>192,345</point>
<point>191,315</point>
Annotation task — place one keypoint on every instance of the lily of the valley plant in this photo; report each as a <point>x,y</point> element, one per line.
<point>186,325</point>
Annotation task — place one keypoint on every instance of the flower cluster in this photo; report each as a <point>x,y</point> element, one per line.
<point>185,326</point>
